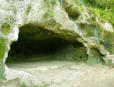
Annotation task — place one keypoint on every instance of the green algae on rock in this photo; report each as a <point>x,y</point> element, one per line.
<point>5,29</point>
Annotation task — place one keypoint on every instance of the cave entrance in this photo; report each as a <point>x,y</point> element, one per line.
<point>38,44</point>
<point>35,44</point>
<point>27,49</point>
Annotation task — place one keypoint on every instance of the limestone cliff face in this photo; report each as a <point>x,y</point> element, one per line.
<point>61,18</point>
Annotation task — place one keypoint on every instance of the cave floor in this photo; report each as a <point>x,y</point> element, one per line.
<point>59,73</point>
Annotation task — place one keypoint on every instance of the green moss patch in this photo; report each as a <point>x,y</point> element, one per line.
<point>2,48</point>
<point>5,28</point>
<point>50,4</point>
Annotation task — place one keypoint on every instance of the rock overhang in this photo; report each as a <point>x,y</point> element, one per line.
<point>49,16</point>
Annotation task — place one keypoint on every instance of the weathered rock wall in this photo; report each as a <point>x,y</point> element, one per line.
<point>68,21</point>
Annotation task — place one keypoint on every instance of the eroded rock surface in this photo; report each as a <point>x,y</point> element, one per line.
<point>49,18</point>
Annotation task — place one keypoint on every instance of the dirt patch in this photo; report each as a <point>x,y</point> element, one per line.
<point>67,73</point>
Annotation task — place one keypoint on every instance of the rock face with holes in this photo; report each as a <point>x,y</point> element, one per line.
<point>44,19</point>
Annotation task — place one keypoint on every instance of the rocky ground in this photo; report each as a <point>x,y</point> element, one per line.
<point>57,73</point>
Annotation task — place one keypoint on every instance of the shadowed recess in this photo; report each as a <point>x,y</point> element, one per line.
<point>36,43</point>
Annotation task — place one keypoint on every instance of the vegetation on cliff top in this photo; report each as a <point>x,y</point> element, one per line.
<point>103,9</point>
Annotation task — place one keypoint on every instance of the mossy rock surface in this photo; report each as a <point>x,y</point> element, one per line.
<point>94,57</point>
<point>2,70</point>
<point>5,29</point>
<point>2,48</point>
